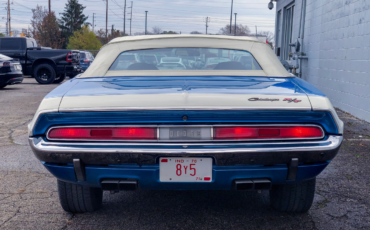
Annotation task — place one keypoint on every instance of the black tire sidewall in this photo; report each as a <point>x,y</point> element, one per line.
<point>76,198</point>
<point>48,67</point>
<point>3,86</point>
<point>296,198</point>
<point>60,79</point>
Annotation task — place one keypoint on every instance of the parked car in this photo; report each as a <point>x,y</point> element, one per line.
<point>10,71</point>
<point>226,128</point>
<point>125,60</point>
<point>213,61</point>
<point>150,59</point>
<point>44,64</point>
<point>86,58</point>
<point>173,63</point>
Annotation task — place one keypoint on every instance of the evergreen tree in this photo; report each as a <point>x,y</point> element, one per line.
<point>72,19</point>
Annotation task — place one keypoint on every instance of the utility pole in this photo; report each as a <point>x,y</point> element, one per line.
<point>10,28</point>
<point>235,25</point>
<point>256,32</point>
<point>93,25</point>
<point>231,14</point>
<point>131,17</point>
<point>146,21</point>
<point>112,30</point>
<point>49,7</point>
<point>207,20</point>
<point>124,19</point>
<point>106,21</point>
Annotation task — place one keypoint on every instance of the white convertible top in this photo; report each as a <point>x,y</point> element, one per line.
<point>271,66</point>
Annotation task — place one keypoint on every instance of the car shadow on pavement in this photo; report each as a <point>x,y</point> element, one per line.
<point>189,210</point>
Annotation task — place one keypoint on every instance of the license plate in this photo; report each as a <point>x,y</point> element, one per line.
<point>185,133</point>
<point>183,169</point>
<point>17,67</point>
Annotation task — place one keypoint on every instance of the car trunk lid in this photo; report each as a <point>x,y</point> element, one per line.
<point>185,93</point>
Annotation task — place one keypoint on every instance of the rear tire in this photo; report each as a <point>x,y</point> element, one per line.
<point>44,74</point>
<point>77,198</point>
<point>3,86</point>
<point>60,78</point>
<point>293,197</point>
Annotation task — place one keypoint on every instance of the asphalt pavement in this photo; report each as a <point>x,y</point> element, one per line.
<point>29,197</point>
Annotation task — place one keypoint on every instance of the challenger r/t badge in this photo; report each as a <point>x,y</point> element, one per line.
<point>289,100</point>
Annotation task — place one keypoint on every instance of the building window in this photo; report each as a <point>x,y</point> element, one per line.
<point>287,30</point>
<point>278,28</point>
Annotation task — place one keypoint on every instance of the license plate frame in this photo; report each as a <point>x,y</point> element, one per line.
<point>169,170</point>
<point>185,133</point>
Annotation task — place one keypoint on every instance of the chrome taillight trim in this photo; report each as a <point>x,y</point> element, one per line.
<point>179,126</point>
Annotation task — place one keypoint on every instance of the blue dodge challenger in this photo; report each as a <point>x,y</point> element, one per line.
<point>186,112</point>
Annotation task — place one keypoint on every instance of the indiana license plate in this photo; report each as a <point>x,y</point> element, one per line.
<point>183,169</point>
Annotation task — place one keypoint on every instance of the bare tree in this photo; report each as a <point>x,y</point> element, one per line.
<point>38,15</point>
<point>45,28</point>
<point>157,30</point>
<point>100,35</point>
<point>240,30</point>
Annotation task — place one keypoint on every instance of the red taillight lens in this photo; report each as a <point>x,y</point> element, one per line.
<point>6,63</point>
<point>69,57</point>
<point>243,132</point>
<point>119,133</point>
<point>86,61</point>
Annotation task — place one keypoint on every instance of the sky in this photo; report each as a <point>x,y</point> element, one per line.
<point>176,15</point>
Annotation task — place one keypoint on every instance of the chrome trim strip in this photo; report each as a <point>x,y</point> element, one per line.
<point>179,126</point>
<point>38,144</point>
<point>118,109</point>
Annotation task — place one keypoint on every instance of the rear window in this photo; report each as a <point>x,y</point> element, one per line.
<point>10,44</point>
<point>185,59</point>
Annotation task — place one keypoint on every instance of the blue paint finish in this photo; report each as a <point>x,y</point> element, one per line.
<point>148,176</point>
<point>202,85</point>
<point>194,117</point>
<point>309,89</point>
<point>178,84</point>
<point>62,89</point>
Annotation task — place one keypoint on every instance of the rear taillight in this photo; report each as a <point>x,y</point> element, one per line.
<point>86,60</point>
<point>6,63</point>
<point>104,133</point>
<point>69,57</point>
<point>265,132</point>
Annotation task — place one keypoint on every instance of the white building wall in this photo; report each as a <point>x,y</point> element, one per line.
<point>337,43</point>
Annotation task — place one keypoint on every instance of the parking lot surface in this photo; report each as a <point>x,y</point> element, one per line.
<point>29,198</point>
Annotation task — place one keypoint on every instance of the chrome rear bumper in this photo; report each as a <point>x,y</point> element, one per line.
<point>262,153</point>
